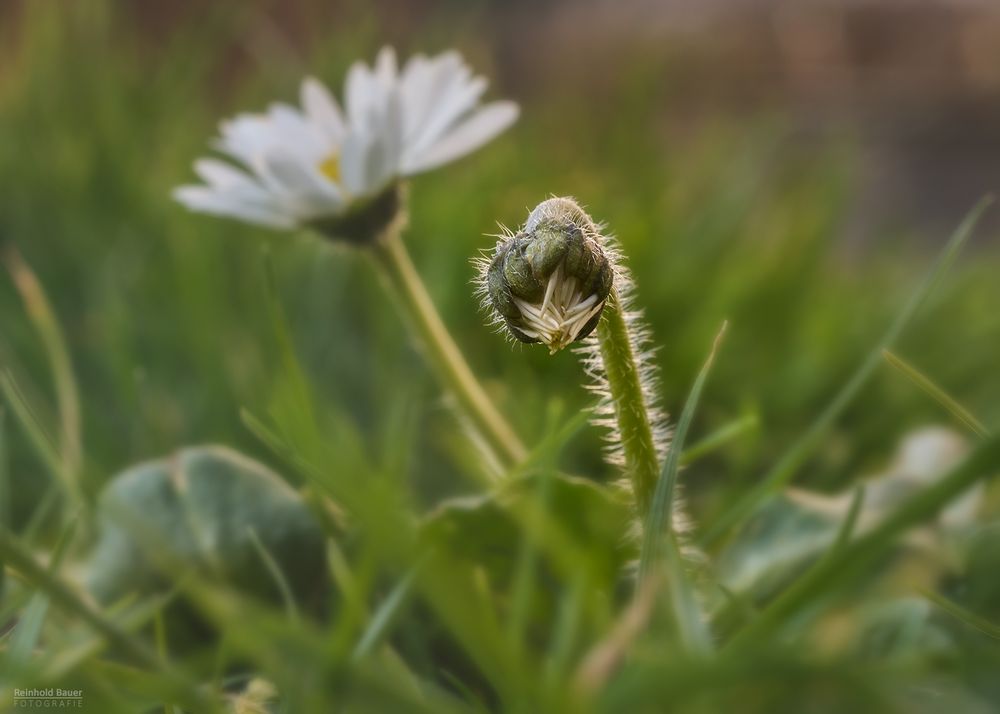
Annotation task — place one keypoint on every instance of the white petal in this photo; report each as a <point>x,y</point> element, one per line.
<point>392,136</point>
<point>322,109</point>
<point>294,134</point>
<point>458,100</point>
<point>245,136</point>
<point>468,136</point>
<point>301,186</point>
<point>205,200</point>
<point>425,82</point>
<point>227,180</point>
<point>378,166</point>
<point>354,160</point>
<point>233,183</point>
<point>385,68</point>
<point>416,85</point>
<point>221,175</point>
<point>361,92</point>
<point>282,112</point>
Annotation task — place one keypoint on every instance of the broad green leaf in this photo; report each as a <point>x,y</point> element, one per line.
<point>207,510</point>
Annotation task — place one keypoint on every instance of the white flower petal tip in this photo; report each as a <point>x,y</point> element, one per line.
<point>478,129</point>
<point>322,108</point>
<point>202,199</point>
<point>324,162</point>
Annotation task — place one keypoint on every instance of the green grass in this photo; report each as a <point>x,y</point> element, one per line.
<point>157,329</point>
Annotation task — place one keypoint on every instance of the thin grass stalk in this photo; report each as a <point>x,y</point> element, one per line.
<point>800,451</point>
<point>843,566</point>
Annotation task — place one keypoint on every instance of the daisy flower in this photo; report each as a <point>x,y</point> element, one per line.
<point>327,166</point>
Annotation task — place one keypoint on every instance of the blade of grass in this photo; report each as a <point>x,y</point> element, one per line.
<point>843,566</point>
<point>353,607</point>
<point>43,317</point>
<point>525,579</point>
<point>464,607</point>
<point>269,438</point>
<point>26,634</point>
<point>660,516</point>
<point>333,513</point>
<point>962,615</point>
<point>63,658</point>
<point>469,698</point>
<point>565,632</point>
<point>274,570</point>
<point>786,467</point>
<point>28,630</point>
<point>40,513</point>
<point>297,383</point>
<point>659,542</point>
<point>160,635</point>
<point>545,451</point>
<point>448,586</point>
<point>720,437</point>
<point>927,385</point>
<point>26,415</point>
<point>384,615</point>
<point>735,603</point>
<point>846,529</point>
<point>690,620</point>
<point>292,651</point>
<point>62,546</point>
<point>67,599</point>
<point>605,657</point>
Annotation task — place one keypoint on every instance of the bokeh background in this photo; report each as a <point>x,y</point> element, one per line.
<point>791,167</point>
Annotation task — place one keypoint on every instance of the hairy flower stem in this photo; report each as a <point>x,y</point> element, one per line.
<point>419,312</point>
<point>624,381</point>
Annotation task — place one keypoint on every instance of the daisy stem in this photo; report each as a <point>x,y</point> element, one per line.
<point>635,428</point>
<point>418,309</point>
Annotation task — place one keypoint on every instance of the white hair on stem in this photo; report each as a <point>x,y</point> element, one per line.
<point>634,422</point>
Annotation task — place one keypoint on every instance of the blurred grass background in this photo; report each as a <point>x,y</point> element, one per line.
<point>730,212</point>
<point>738,187</point>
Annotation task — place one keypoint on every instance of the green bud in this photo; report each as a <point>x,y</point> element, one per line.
<point>550,281</point>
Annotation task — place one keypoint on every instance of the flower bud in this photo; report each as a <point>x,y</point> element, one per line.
<point>550,281</point>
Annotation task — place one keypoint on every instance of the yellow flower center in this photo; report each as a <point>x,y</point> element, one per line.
<point>330,166</point>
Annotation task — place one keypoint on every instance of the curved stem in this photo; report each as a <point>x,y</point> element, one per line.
<point>621,367</point>
<point>415,303</point>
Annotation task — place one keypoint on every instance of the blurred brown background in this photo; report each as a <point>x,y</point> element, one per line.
<point>915,84</point>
